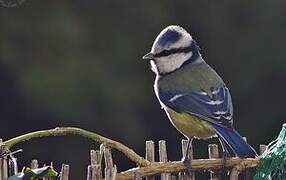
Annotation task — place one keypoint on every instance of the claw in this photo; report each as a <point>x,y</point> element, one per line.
<point>225,156</point>
<point>188,163</point>
<point>186,160</point>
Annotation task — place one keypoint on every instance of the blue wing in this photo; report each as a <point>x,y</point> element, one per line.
<point>215,107</point>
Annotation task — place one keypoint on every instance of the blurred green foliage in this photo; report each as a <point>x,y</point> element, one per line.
<point>78,63</point>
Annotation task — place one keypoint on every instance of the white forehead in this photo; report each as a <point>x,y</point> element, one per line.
<point>184,40</point>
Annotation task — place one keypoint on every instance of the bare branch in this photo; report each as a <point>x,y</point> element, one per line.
<point>177,166</point>
<point>62,131</point>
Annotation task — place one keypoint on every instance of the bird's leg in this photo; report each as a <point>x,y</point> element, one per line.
<point>225,155</point>
<point>186,159</point>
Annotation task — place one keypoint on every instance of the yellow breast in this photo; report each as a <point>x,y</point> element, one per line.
<point>189,125</point>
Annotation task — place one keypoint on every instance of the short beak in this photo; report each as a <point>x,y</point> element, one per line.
<point>148,56</point>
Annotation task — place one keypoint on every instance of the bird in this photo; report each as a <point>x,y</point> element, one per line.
<point>193,95</point>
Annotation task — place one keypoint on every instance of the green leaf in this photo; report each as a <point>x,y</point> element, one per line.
<point>273,161</point>
<point>34,174</point>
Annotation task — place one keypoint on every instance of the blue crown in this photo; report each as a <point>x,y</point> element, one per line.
<point>170,36</point>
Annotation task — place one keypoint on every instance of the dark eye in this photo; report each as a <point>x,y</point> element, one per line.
<point>173,51</point>
<point>164,53</point>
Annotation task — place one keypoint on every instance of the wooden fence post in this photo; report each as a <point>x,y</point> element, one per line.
<point>262,148</point>
<point>1,168</point>
<point>213,154</point>
<point>110,170</point>
<point>182,175</point>
<point>163,157</point>
<point>150,155</point>
<point>1,160</point>
<point>95,167</point>
<point>5,167</point>
<point>12,165</point>
<point>3,163</point>
<point>94,170</point>
<point>34,164</point>
<point>89,173</point>
<point>64,172</point>
<point>174,177</point>
<point>234,173</point>
<point>136,176</point>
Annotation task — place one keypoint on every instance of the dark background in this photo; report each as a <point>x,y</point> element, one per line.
<point>78,63</point>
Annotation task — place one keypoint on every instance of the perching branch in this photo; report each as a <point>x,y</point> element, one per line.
<point>177,166</point>
<point>62,131</point>
<point>145,168</point>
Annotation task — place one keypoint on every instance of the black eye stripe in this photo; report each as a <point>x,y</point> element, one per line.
<point>174,51</point>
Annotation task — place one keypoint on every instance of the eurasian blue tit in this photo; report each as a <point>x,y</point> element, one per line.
<point>193,95</point>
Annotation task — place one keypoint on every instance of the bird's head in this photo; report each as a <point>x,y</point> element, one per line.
<point>172,48</point>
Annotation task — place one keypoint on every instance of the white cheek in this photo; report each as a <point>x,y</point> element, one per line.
<point>172,62</point>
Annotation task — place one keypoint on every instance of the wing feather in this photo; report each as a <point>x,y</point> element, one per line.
<point>215,107</point>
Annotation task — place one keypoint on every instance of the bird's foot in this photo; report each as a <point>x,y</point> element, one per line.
<point>188,163</point>
<point>225,156</point>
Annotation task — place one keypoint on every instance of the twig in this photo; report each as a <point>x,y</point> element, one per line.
<point>62,131</point>
<point>177,166</point>
<point>146,168</point>
<point>213,153</point>
<point>150,155</point>
<point>65,172</point>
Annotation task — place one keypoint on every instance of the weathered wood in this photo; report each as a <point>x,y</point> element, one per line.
<point>213,154</point>
<point>190,155</point>
<point>166,169</point>
<point>262,148</point>
<point>182,176</point>
<point>10,167</point>
<point>108,173</point>
<point>108,157</point>
<point>96,156</point>
<point>150,155</point>
<point>96,172</point>
<point>110,169</point>
<point>163,157</point>
<point>234,174</point>
<point>1,159</point>
<point>12,162</point>
<point>13,166</point>
<point>136,176</point>
<point>89,173</point>
<point>5,167</point>
<point>63,131</point>
<point>34,164</point>
<point>173,177</point>
<point>95,161</point>
<point>113,173</point>
<point>64,172</point>
<point>93,157</point>
<point>1,168</point>
<point>197,165</point>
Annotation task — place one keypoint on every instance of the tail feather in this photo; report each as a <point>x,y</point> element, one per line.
<point>235,141</point>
